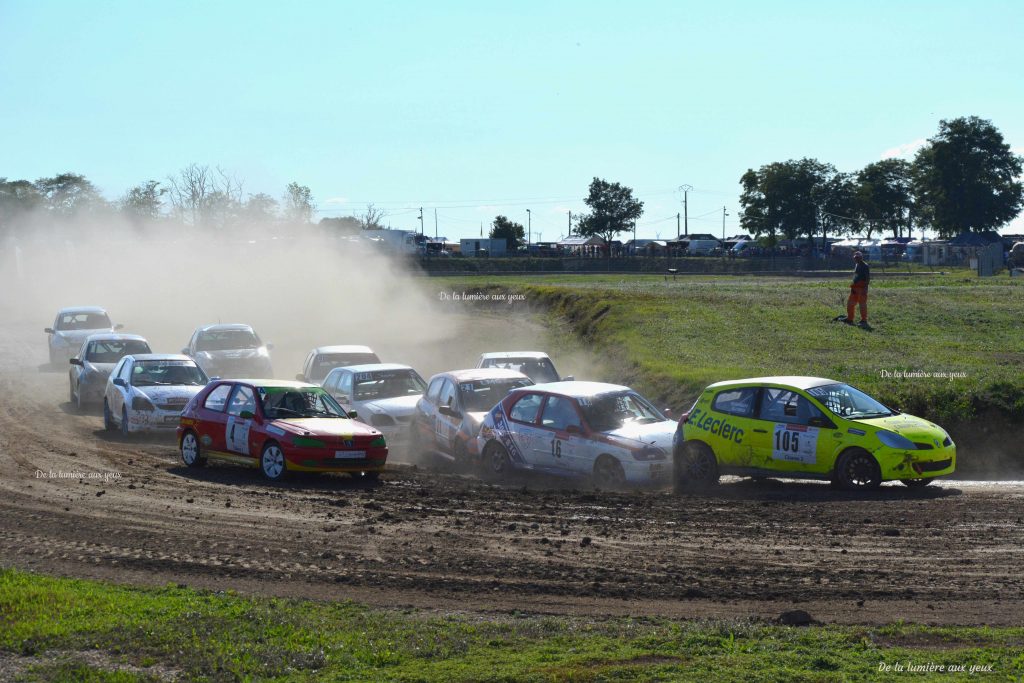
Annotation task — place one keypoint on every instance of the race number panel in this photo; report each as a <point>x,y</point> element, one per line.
<point>237,435</point>
<point>795,443</point>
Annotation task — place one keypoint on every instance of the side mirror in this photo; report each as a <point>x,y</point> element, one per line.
<point>119,326</point>
<point>270,347</point>
<point>246,415</point>
<point>569,378</point>
<point>300,377</point>
<point>184,351</point>
<point>120,382</point>
<point>75,361</point>
<point>353,414</point>
<point>48,330</point>
<point>822,422</point>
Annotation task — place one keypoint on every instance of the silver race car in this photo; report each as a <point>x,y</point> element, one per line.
<point>230,351</point>
<point>147,392</point>
<point>91,366</point>
<point>72,326</point>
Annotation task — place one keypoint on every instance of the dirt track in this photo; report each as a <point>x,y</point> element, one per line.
<point>951,554</point>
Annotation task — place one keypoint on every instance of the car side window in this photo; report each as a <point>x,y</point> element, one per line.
<point>125,372</point>
<point>739,402</point>
<point>526,408</point>
<point>783,405</point>
<point>331,381</point>
<point>560,413</point>
<point>448,395</point>
<point>434,390</point>
<point>117,368</point>
<point>217,398</point>
<point>243,399</point>
<point>345,384</point>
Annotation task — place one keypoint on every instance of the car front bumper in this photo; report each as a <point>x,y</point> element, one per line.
<point>917,464</point>
<point>153,420</point>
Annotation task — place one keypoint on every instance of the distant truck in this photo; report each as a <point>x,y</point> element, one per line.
<point>397,241</point>
<point>483,246</point>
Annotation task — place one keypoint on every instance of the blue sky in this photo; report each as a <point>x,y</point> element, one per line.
<point>475,109</point>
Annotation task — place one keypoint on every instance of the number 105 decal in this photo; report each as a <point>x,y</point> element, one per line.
<point>795,443</point>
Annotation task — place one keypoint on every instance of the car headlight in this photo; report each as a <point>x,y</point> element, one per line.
<point>140,402</point>
<point>894,440</point>
<point>650,453</point>
<point>262,351</point>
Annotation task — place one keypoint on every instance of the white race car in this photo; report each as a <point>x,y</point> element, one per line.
<point>534,364</point>
<point>382,394</point>
<point>92,365</point>
<point>147,392</point>
<point>323,359</point>
<point>72,326</point>
<point>579,429</point>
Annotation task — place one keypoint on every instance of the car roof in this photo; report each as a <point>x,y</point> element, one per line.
<point>81,309</point>
<point>476,374</point>
<point>158,356</point>
<point>225,326</point>
<point>278,383</point>
<point>372,367</point>
<point>578,389</point>
<point>115,336</point>
<point>794,381</point>
<point>513,354</point>
<point>343,348</point>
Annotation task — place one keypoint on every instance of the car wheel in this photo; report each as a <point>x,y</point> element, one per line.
<point>916,483</point>
<point>608,473</point>
<point>108,419</point>
<point>125,430</point>
<point>417,447</point>
<point>272,462</point>
<point>191,452</point>
<point>695,467</point>
<point>496,462</point>
<point>857,470</point>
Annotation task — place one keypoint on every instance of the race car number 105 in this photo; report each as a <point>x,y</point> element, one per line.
<point>795,443</point>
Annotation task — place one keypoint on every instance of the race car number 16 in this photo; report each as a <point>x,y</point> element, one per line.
<point>795,443</point>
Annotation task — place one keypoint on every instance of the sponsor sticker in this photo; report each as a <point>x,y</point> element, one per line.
<point>795,443</point>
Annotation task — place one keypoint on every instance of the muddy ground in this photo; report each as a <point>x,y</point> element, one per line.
<point>436,539</point>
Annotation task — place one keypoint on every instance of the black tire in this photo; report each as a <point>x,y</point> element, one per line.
<point>125,431</point>
<point>857,470</point>
<point>191,450</point>
<point>108,419</point>
<point>694,467</point>
<point>608,473</point>
<point>916,483</point>
<point>272,462</point>
<point>495,461</point>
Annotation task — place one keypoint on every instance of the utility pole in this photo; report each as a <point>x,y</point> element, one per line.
<point>724,214</point>
<point>421,221</point>
<point>435,224</point>
<point>686,214</point>
<point>677,225</point>
<point>529,223</point>
<point>570,224</point>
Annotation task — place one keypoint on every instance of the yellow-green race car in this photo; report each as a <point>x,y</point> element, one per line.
<point>809,428</point>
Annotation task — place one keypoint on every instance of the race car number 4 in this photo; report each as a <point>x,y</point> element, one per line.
<point>795,443</point>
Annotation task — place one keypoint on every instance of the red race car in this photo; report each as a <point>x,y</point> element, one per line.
<point>280,427</point>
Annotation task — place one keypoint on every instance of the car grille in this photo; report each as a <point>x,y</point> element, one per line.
<point>923,446</point>
<point>173,404</point>
<point>921,467</point>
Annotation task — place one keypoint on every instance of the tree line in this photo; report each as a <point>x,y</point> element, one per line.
<point>966,178</point>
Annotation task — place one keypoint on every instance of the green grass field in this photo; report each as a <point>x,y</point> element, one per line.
<point>72,630</point>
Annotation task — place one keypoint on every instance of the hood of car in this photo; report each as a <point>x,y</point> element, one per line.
<point>322,426</point>
<point>913,428</point>
<point>167,393</point>
<point>655,433</point>
<point>103,369</point>
<point>233,354</point>
<point>77,336</point>
<point>399,406</point>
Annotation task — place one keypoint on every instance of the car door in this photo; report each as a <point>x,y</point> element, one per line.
<point>447,426</point>
<point>241,413</point>
<point>793,444</point>
<point>212,422</point>
<point>734,435</point>
<point>562,429</point>
<point>120,393</point>
<point>524,432</point>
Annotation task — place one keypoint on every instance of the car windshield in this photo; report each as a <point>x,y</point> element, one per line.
<point>148,373</point>
<point>291,402</point>
<point>84,321</point>
<point>326,362</point>
<point>225,340</point>
<point>479,396</point>
<point>113,350</point>
<point>388,384</point>
<point>540,370</point>
<point>845,401</point>
<point>609,412</point>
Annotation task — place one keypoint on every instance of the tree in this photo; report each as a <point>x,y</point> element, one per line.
<point>203,196</point>
<point>788,198</point>
<point>69,194</point>
<point>967,178</point>
<point>298,204</point>
<point>260,209</point>
<point>612,210</point>
<point>372,218</point>
<point>17,199</point>
<point>884,196</point>
<point>143,202</point>
<point>513,233</point>
<point>838,204</point>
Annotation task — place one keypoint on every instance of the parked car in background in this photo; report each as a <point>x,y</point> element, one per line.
<point>92,365</point>
<point>1016,257</point>
<point>232,350</point>
<point>280,427</point>
<point>71,327</point>
<point>147,392</point>
<point>606,432</point>
<point>383,395</point>
<point>806,427</point>
<point>323,359</point>
<point>534,364</point>
<point>449,415</point>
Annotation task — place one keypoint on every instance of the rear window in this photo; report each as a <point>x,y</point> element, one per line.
<point>111,351</point>
<point>738,402</point>
<point>83,321</point>
<point>225,340</point>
